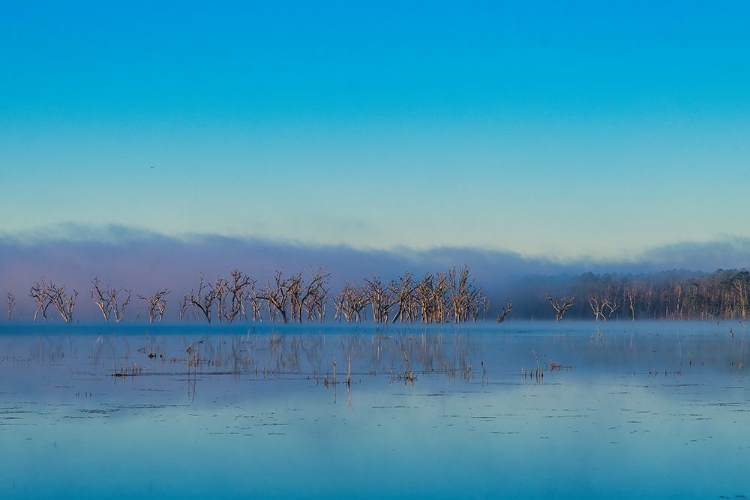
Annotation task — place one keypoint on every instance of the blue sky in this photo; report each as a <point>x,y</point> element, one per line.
<point>548,129</point>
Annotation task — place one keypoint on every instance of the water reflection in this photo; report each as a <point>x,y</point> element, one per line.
<point>630,411</point>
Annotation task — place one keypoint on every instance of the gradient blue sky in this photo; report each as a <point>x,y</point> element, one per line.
<point>561,129</point>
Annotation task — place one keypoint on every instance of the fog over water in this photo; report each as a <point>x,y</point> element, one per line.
<point>145,261</point>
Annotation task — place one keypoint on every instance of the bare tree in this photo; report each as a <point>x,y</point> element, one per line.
<point>11,304</point>
<point>611,305</point>
<point>294,288</point>
<point>431,297</point>
<point>256,304</point>
<point>463,295</point>
<point>381,299</point>
<point>631,292</point>
<point>240,291</point>
<point>404,293</point>
<point>64,303</point>
<point>350,302</point>
<point>221,295</point>
<point>504,312</point>
<point>156,304</point>
<point>39,291</point>
<point>203,301</point>
<point>315,298</point>
<point>597,305</point>
<point>276,295</point>
<point>480,306</point>
<point>424,293</point>
<point>183,305</point>
<point>107,301</point>
<point>561,305</point>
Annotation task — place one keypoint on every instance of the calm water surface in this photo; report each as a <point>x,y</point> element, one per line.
<point>518,410</point>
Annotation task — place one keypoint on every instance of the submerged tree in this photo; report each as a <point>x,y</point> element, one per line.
<point>239,291</point>
<point>405,301</point>
<point>310,298</point>
<point>39,291</point>
<point>107,301</point>
<point>350,302</point>
<point>47,294</point>
<point>504,312</point>
<point>11,304</point>
<point>156,304</point>
<point>203,300</point>
<point>381,298</point>
<point>63,302</point>
<point>561,305</point>
<point>276,295</point>
<point>465,298</point>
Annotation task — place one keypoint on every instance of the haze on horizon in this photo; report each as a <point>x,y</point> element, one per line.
<point>549,130</point>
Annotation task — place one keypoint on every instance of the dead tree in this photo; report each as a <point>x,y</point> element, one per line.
<point>39,291</point>
<point>404,294</point>
<point>423,296</point>
<point>239,291</point>
<point>107,301</point>
<point>561,306</point>
<point>631,291</point>
<point>294,288</point>
<point>64,303</point>
<point>504,312</point>
<point>203,301</point>
<point>440,298</point>
<point>156,304</point>
<point>101,299</point>
<point>350,302</point>
<point>597,305</point>
<point>463,294</point>
<point>276,295</point>
<point>221,294</point>
<point>610,306</point>
<point>11,304</point>
<point>315,298</point>
<point>183,305</point>
<point>255,304</point>
<point>480,306</point>
<point>381,298</point>
<point>431,297</point>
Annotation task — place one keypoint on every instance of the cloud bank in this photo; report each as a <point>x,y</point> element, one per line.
<point>145,262</point>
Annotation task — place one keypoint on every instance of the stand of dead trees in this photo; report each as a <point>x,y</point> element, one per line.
<point>48,294</point>
<point>440,298</point>
<point>444,297</point>
<point>289,298</point>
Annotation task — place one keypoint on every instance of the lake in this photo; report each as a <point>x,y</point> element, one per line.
<point>516,410</point>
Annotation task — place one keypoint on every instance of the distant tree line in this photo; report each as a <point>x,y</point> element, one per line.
<point>442,297</point>
<point>675,295</point>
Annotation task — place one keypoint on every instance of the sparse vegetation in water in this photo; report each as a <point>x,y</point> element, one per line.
<point>128,371</point>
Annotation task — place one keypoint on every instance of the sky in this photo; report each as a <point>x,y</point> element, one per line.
<point>594,130</point>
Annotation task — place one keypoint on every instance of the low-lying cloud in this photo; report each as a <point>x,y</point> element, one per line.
<point>145,262</point>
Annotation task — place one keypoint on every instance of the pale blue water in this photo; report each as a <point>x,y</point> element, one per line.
<point>635,410</point>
